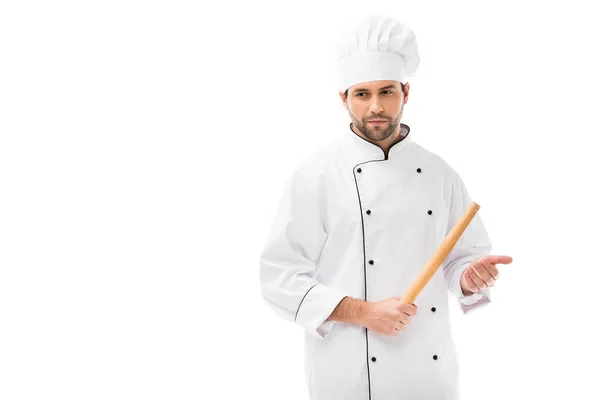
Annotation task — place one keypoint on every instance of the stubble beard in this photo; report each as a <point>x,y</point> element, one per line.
<point>376,132</point>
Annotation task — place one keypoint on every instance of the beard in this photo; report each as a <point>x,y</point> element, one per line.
<point>375,132</point>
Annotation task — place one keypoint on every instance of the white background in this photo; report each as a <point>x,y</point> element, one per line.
<point>144,147</point>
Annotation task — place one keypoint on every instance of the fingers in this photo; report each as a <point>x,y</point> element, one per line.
<point>475,280</point>
<point>409,309</point>
<point>499,259</point>
<point>483,273</point>
<point>469,284</point>
<point>491,268</point>
<point>402,323</point>
<point>399,328</point>
<point>404,319</point>
<point>404,316</point>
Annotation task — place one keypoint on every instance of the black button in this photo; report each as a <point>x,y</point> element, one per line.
<point>433,309</point>
<point>419,170</point>
<point>368,211</point>
<point>373,359</point>
<point>359,170</point>
<point>434,357</point>
<point>429,212</point>
<point>371,262</point>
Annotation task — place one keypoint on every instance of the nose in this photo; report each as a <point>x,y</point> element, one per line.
<point>375,107</point>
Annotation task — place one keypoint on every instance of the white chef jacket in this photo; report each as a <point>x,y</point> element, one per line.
<point>353,222</point>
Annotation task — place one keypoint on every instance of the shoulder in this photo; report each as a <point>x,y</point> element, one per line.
<point>434,161</point>
<point>317,163</point>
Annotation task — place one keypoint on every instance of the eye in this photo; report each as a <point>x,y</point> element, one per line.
<point>389,91</point>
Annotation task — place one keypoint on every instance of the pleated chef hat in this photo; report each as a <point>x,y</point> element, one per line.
<point>381,48</point>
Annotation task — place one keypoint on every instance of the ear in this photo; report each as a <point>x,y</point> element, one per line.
<point>406,90</point>
<point>341,93</point>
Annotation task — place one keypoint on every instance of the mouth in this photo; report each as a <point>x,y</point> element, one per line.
<point>377,121</point>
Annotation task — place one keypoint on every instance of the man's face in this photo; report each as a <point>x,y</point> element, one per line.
<point>376,100</point>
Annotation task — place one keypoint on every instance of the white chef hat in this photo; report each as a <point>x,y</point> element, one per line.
<point>380,48</point>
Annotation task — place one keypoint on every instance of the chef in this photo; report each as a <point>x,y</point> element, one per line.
<point>356,224</point>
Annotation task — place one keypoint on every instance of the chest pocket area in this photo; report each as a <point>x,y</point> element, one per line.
<point>416,217</point>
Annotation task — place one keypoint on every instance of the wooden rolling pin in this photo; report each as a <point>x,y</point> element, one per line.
<point>440,255</point>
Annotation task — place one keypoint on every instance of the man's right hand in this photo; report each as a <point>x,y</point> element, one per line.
<point>389,316</point>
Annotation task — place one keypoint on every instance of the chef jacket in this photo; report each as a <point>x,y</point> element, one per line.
<point>353,222</point>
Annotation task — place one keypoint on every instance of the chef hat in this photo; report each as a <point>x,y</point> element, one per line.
<point>381,48</point>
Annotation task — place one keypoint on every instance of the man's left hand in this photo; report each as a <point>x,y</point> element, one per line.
<point>481,274</point>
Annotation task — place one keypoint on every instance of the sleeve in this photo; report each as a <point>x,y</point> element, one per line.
<point>289,258</point>
<point>473,244</point>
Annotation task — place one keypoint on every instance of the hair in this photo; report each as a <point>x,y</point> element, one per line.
<point>401,85</point>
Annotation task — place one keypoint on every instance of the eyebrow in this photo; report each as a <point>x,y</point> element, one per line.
<point>366,90</point>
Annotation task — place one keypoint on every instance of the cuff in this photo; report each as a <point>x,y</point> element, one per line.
<point>316,306</point>
<point>474,301</point>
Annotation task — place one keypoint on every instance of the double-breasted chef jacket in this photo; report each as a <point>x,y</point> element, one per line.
<point>352,222</point>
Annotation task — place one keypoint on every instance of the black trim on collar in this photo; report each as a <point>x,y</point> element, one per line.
<point>390,149</point>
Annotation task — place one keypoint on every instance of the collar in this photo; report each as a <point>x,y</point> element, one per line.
<point>365,151</point>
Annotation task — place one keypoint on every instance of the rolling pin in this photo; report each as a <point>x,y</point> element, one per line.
<point>440,254</point>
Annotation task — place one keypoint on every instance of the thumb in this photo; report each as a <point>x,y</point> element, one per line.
<point>499,259</point>
<point>402,300</point>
